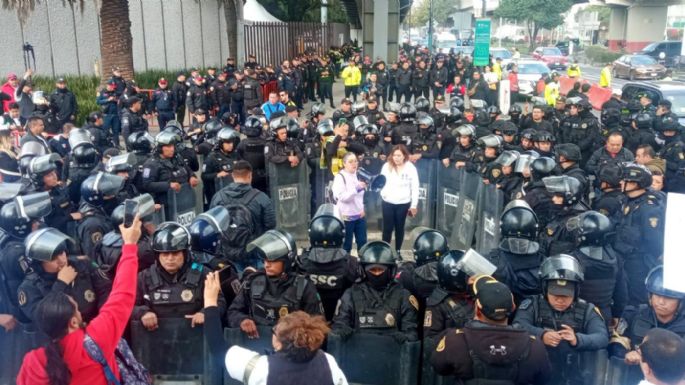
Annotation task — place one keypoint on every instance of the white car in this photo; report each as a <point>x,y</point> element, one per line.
<point>530,71</point>
<point>503,54</point>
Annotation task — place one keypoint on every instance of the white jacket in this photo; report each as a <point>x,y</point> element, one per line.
<point>403,187</point>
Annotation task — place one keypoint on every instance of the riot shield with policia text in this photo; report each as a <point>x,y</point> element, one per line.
<point>371,167</point>
<point>290,194</point>
<point>447,199</point>
<point>425,215</point>
<point>465,226</point>
<point>181,205</point>
<point>490,205</point>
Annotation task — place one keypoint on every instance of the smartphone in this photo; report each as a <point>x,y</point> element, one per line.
<point>130,209</point>
<point>226,274</point>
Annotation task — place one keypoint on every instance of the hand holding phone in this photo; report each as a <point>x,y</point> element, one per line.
<point>130,210</point>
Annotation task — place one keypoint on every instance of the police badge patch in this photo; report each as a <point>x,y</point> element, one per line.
<point>428,319</point>
<point>283,311</point>
<point>187,295</point>
<point>414,302</point>
<point>390,319</point>
<point>89,296</point>
<point>22,298</point>
<point>654,221</point>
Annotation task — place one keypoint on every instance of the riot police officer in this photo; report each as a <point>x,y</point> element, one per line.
<point>555,237</point>
<point>131,119</point>
<point>566,324</point>
<point>174,286</point>
<point>420,277</point>
<point>518,256</point>
<point>544,143</point>
<point>509,136</point>
<point>406,130</point>
<point>50,269</point>
<point>81,162</point>
<point>577,128</point>
<point>163,103</point>
<point>252,149</point>
<point>641,132</point>
<point>490,148</point>
<point>102,139</point>
<point>508,181</point>
<point>639,233</point>
<point>378,304</point>
<point>185,150</point>
<point>98,200</point>
<point>534,191</point>
<point>611,199</point>
<point>345,111</point>
<point>42,172</point>
<point>425,143</point>
<point>327,265</point>
<point>673,152</point>
<point>275,291</point>
<point>450,305</point>
<point>465,151</point>
<point>664,310</point>
<point>604,284</point>
<point>197,97</point>
<point>165,170</point>
<point>611,122</point>
<point>18,218</point>
<point>281,149</point>
<point>569,157</point>
<point>219,163</point>
<point>124,166</point>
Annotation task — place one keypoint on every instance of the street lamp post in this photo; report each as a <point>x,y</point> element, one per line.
<point>430,26</point>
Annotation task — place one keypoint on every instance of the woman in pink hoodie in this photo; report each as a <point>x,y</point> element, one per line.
<point>349,193</point>
<point>64,361</point>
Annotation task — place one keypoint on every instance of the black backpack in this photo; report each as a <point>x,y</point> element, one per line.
<point>241,227</point>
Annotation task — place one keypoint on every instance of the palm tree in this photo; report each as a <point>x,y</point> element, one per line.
<point>116,43</point>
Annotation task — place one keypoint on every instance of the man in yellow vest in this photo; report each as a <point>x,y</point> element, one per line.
<point>573,70</point>
<point>605,76</point>
<point>352,78</point>
<point>552,90</point>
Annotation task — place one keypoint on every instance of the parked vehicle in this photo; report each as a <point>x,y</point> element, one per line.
<point>638,67</point>
<point>657,91</point>
<point>501,53</point>
<point>665,52</point>
<point>551,56</point>
<point>529,72</point>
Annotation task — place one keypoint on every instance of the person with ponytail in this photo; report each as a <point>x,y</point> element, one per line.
<point>296,340</point>
<point>64,360</point>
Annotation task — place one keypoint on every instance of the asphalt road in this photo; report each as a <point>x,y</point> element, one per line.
<point>591,74</point>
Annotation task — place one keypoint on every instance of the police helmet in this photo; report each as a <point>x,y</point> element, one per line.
<point>16,216</point>
<point>30,150</point>
<point>492,141</point>
<point>507,158</point>
<point>566,186</point>
<point>9,191</point>
<point>465,130</point>
<point>610,116</point>
<point>79,137</point>
<point>377,253</point>
<point>611,174</point>
<point>570,152</point>
<point>120,163</point>
<point>170,237</point>
<point>482,118</point>
<point>325,127</point>
<point>359,121</point>
<point>494,110</point>
<point>117,216</point>
<point>544,136</point>
<point>45,244</point>
<point>508,127</point>
<point>525,160</point>
<point>318,109</point>
<point>633,172</point>
<point>429,245</point>
<point>252,127</point>
<point>166,138</point>
<point>393,108</point>
<point>211,128</point>
<point>457,102</point>
<point>561,275</point>
<point>542,167</point>
<point>519,228</point>
<point>275,245</point>
<point>140,142</point>
<point>667,123</point>
<point>207,230</point>
<point>422,104</point>
<point>584,105</point>
<point>643,120</point>
<point>407,112</point>
<point>86,154</point>
<point>228,134</point>
<point>276,124</point>
<point>41,166</point>
<point>573,101</point>
<point>479,105</point>
<point>96,188</point>
<point>292,127</point>
<point>454,115</point>
<point>173,127</point>
<point>369,129</point>
<point>93,117</point>
<point>358,108</point>
<point>529,133</point>
<point>451,277</point>
<point>326,229</point>
<point>590,228</point>
<point>422,118</point>
<point>655,284</point>
<point>515,110</point>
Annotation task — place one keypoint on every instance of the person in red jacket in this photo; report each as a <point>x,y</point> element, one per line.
<point>9,89</point>
<point>64,361</point>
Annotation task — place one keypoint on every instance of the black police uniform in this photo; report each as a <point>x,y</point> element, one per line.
<point>92,227</point>
<point>197,97</point>
<point>554,237</point>
<point>634,324</point>
<point>465,154</point>
<point>87,289</point>
<point>252,94</point>
<point>164,104</point>
<point>63,103</point>
<point>101,138</point>
<point>518,271</point>
<point>610,203</point>
<point>673,153</point>
<point>62,207</point>
<point>13,265</point>
<point>420,281</point>
<point>216,162</point>
<point>425,143</point>
<point>278,152</point>
<point>179,91</point>
<point>446,311</point>
<point>171,295</point>
<point>332,271</point>
<point>535,315</point>
<point>420,83</point>
<point>265,299</point>
<point>252,150</point>
<point>131,122</point>
<point>639,240</point>
<point>158,173</point>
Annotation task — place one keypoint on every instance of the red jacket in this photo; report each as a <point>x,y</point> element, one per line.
<point>513,81</point>
<point>9,90</point>
<point>106,329</point>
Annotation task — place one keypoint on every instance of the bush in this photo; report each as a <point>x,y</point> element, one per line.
<point>86,88</point>
<point>601,55</point>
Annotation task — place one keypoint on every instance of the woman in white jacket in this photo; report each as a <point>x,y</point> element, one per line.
<point>296,339</point>
<point>400,194</point>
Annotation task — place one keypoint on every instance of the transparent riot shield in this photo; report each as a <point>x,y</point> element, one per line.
<point>199,189</point>
<point>290,194</point>
<point>376,359</point>
<point>465,226</point>
<point>175,352</point>
<point>490,206</point>
<point>425,215</point>
<point>372,197</point>
<point>261,345</point>
<point>16,343</point>
<point>447,197</point>
<point>320,186</point>
<point>181,206</point>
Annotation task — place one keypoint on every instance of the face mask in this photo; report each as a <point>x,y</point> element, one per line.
<point>379,282</point>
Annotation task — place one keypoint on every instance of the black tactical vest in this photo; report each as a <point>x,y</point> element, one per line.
<point>267,308</point>
<point>178,298</point>
<point>374,310</point>
<point>325,268</point>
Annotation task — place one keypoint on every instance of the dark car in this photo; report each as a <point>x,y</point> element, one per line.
<point>564,46</point>
<point>665,52</point>
<point>657,91</point>
<point>551,56</point>
<point>638,67</point>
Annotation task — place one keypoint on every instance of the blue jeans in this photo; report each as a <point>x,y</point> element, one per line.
<point>356,228</point>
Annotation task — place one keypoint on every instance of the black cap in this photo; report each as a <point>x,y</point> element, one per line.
<point>346,101</point>
<point>61,80</point>
<point>666,103</point>
<point>561,287</point>
<point>493,298</point>
<point>290,109</point>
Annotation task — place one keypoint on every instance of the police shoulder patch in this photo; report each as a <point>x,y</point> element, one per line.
<point>441,345</point>
<point>21,298</point>
<point>654,222</point>
<point>525,304</point>
<point>96,237</point>
<point>414,302</point>
<point>428,319</point>
<point>599,313</point>
<point>146,172</point>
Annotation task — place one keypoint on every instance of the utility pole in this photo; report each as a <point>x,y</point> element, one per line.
<point>485,5</point>
<point>430,26</point>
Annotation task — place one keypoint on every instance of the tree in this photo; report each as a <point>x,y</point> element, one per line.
<point>233,11</point>
<point>116,43</point>
<point>442,10</point>
<point>537,14</point>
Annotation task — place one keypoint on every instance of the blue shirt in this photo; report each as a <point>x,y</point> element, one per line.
<point>269,109</point>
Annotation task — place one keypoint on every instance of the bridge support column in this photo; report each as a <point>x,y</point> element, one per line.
<point>381,29</point>
<point>632,28</point>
